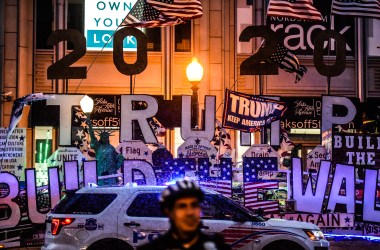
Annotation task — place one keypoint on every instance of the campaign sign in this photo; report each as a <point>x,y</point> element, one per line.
<point>249,113</point>
<point>13,152</point>
<point>356,149</point>
<point>321,220</point>
<point>102,19</point>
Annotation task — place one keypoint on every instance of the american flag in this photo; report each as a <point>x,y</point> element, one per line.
<point>223,183</point>
<point>287,61</point>
<point>159,13</point>
<point>251,196</point>
<point>298,9</point>
<point>251,167</point>
<point>18,106</point>
<point>357,8</point>
<point>221,140</point>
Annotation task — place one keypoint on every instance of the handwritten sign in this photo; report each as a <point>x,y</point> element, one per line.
<point>13,152</point>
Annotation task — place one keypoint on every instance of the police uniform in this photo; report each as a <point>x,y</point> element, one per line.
<point>204,242</point>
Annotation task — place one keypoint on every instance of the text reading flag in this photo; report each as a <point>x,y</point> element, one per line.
<point>298,9</point>
<point>358,8</point>
<point>249,113</point>
<point>159,13</point>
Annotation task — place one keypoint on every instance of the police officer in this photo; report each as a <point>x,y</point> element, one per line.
<point>180,202</point>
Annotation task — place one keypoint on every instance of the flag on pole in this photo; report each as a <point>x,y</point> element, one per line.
<point>287,61</point>
<point>298,9</point>
<point>160,13</point>
<point>18,106</point>
<point>357,8</point>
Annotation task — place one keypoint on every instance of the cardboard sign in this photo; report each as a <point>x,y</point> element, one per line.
<point>61,155</point>
<point>261,150</point>
<point>135,150</point>
<point>13,152</point>
<point>197,148</point>
<point>314,158</point>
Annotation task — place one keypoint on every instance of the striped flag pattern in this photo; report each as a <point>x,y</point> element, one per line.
<point>298,9</point>
<point>251,200</point>
<point>221,184</point>
<point>160,13</point>
<point>357,8</point>
<point>287,61</point>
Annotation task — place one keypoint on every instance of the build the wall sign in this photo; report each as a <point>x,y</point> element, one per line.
<point>356,149</point>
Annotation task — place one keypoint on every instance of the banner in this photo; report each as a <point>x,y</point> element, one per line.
<point>248,113</point>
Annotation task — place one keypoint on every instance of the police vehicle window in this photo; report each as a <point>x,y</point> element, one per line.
<point>217,208</point>
<point>145,205</point>
<point>84,203</point>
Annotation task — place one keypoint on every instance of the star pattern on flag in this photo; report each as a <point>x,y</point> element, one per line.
<point>251,166</point>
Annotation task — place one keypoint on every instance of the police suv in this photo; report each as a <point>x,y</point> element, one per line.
<point>125,217</point>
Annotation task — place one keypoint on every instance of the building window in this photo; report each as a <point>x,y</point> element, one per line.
<point>183,37</point>
<point>44,23</point>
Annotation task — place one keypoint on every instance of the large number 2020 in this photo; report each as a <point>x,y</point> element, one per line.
<point>258,64</point>
<point>62,69</point>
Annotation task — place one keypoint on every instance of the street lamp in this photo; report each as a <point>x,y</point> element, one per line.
<point>87,104</point>
<point>194,73</point>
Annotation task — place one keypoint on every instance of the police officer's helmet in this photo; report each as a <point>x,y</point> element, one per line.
<point>181,189</point>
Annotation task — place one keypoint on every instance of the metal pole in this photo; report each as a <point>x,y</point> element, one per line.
<point>360,59</point>
<point>194,104</point>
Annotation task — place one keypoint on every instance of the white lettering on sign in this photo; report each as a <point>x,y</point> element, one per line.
<point>244,106</point>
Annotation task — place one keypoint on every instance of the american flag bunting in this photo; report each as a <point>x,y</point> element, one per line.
<point>160,13</point>
<point>357,8</point>
<point>298,9</point>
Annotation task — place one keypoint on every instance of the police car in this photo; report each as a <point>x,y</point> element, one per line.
<point>125,217</point>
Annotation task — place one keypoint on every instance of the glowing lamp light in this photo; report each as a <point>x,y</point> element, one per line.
<point>194,71</point>
<point>87,104</point>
